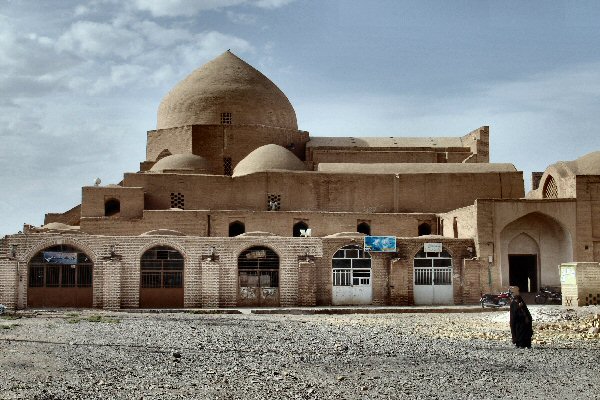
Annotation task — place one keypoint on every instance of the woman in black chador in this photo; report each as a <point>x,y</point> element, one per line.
<point>520,323</point>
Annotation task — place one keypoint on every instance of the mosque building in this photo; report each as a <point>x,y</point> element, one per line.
<point>235,206</point>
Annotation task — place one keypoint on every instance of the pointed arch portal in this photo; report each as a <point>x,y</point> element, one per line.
<point>532,248</point>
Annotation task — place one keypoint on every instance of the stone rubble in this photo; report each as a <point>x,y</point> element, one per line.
<point>102,355</point>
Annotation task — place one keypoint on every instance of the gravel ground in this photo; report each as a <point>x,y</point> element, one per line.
<point>101,355</point>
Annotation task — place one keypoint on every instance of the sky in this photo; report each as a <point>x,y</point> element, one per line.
<point>81,81</point>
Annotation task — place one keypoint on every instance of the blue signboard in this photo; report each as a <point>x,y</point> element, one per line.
<point>380,243</point>
<point>59,257</point>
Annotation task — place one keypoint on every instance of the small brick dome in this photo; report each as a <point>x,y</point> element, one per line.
<point>268,157</point>
<point>226,86</point>
<point>181,163</point>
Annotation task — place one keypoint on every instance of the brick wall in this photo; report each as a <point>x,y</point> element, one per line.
<point>320,191</point>
<point>307,288</point>
<point>401,277</point>
<point>304,267</point>
<point>8,282</point>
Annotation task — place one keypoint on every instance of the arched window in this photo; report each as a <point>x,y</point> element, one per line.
<point>298,227</point>
<point>112,207</point>
<point>161,278</point>
<point>236,228</point>
<point>258,267</point>
<point>60,276</point>
<point>351,276</point>
<point>433,267</point>
<point>364,227</point>
<point>433,277</point>
<point>161,267</point>
<point>424,229</point>
<point>550,189</point>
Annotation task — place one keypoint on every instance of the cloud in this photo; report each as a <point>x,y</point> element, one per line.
<point>241,18</point>
<point>175,8</point>
<point>30,65</point>
<point>93,39</point>
<point>271,4</point>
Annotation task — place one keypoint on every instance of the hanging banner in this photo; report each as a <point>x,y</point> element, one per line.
<point>59,257</point>
<point>380,243</point>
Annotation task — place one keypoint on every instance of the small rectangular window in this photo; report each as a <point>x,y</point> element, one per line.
<point>226,118</point>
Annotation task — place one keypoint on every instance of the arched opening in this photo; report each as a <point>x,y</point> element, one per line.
<point>258,277</point>
<point>161,278</point>
<point>351,269</point>
<point>299,227</point>
<point>523,263</point>
<point>531,248</point>
<point>236,228</point>
<point>433,277</point>
<point>424,229</point>
<point>550,190</point>
<point>60,276</point>
<point>364,227</point>
<point>112,207</point>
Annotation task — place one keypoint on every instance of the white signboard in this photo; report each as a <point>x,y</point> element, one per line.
<point>432,247</point>
<point>567,274</point>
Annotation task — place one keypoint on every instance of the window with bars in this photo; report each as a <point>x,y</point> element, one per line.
<point>258,267</point>
<point>48,269</point>
<point>226,118</point>
<point>161,267</point>
<point>433,268</point>
<point>351,266</point>
<point>177,201</point>
<point>227,166</point>
<point>273,202</point>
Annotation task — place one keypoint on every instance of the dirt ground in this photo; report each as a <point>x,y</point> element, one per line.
<point>95,354</point>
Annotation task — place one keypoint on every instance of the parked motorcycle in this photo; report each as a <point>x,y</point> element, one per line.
<point>547,294</point>
<point>495,300</point>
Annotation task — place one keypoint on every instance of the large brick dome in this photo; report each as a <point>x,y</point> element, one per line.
<point>226,90</point>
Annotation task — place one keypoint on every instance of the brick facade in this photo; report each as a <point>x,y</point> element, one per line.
<point>211,278</point>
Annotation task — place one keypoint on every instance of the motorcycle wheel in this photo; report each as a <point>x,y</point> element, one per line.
<point>540,299</point>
